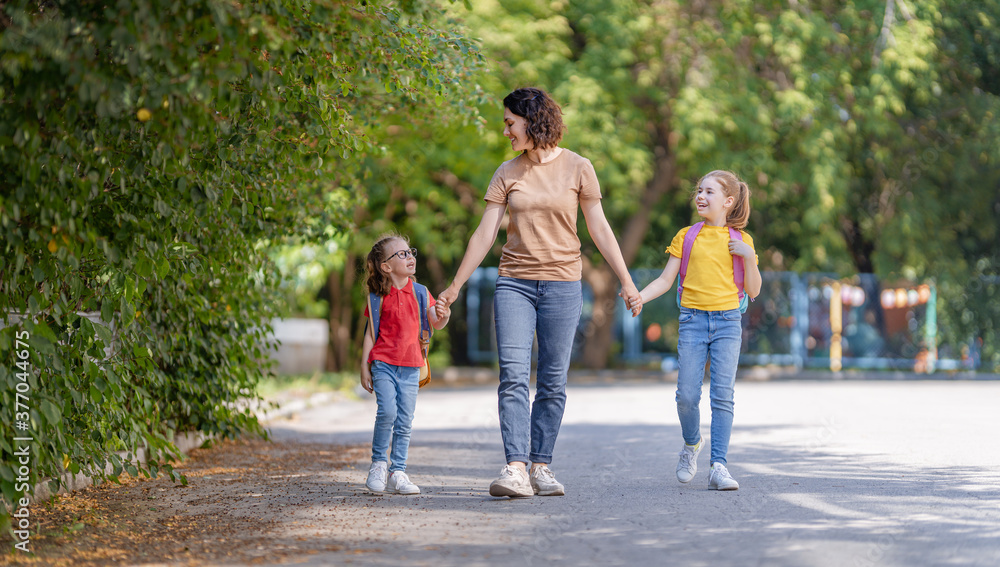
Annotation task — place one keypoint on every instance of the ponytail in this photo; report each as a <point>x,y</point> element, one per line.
<point>739,215</point>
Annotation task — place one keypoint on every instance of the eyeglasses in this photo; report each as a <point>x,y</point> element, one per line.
<point>403,254</point>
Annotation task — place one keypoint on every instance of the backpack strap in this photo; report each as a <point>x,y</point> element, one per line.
<point>421,293</point>
<point>689,237</point>
<point>374,305</point>
<point>425,326</point>
<point>738,267</point>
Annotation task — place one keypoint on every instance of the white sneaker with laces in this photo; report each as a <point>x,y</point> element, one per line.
<point>687,465</point>
<point>544,483</point>
<point>376,476</point>
<point>399,483</point>
<point>513,482</point>
<point>719,479</point>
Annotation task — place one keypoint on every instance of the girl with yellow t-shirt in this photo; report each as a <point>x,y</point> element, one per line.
<point>710,319</point>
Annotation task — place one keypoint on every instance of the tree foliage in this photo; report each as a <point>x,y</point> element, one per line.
<point>151,151</point>
<point>855,125</point>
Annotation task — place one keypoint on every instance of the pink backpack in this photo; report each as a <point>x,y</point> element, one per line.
<point>738,267</point>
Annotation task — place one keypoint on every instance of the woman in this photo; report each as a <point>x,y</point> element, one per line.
<point>538,289</point>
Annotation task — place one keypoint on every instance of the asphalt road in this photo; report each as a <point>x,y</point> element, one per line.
<point>853,473</point>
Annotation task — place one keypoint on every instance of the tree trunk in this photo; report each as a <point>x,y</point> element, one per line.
<point>339,286</point>
<point>860,248</point>
<point>597,334</point>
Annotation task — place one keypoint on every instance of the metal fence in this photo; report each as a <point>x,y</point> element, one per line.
<point>810,320</point>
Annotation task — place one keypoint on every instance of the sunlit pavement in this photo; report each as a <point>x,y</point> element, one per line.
<point>893,473</point>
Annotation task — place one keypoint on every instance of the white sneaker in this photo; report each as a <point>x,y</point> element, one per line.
<point>513,482</point>
<point>687,465</point>
<point>399,483</point>
<point>376,476</point>
<point>719,479</point>
<point>544,483</point>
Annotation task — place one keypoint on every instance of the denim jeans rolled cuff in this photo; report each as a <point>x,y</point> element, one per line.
<point>714,338</point>
<point>524,309</point>
<point>396,397</point>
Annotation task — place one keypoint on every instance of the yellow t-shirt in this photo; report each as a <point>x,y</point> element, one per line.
<point>543,200</point>
<point>709,282</point>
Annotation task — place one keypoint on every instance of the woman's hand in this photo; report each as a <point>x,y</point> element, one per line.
<point>444,301</point>
<point>633,299</point>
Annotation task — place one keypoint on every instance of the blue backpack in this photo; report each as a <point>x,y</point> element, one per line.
<point>375,311</point>
<point>738,267</point>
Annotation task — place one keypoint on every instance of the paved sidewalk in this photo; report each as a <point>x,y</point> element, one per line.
<point>831,474</point>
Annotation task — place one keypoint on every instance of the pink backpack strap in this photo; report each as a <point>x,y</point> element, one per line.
<point>738,267</point>
<point>689,237</point>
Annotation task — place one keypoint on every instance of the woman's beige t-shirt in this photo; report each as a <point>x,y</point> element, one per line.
<point>543,200</point>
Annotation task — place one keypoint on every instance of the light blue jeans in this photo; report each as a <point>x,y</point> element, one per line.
<point>396,394</point>
<point>523,309</point>
<point>708,337</point>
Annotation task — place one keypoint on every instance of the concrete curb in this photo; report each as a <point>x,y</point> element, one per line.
<point>292,407</point>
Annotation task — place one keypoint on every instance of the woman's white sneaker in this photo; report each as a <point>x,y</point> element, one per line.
<point>544,483</point>
<point>719,479</point>
<point>399,483</point>
<point>513,482</point>
<point>376,476</point>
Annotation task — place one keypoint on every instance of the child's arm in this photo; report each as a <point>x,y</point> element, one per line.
<point>660,285</point>
<point>439,315</point>
<point>751,273</point>
<point>366,371</point>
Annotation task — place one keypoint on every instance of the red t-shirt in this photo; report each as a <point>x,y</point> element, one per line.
<point>398,340</point>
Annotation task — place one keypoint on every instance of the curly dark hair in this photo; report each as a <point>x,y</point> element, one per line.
<point>543,115</point>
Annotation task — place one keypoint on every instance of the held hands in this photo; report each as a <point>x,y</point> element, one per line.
<point>443,310</point>
<point>444,301</point>
<point>633,299</point>
<point>740,248</point>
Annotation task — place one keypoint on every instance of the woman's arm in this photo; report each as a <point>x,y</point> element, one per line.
<point>479,245</point>
<point>604,238</point>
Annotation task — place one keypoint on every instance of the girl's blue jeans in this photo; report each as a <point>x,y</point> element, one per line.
<point>524,309</point>
<point>712,337</point>
<point>396,394</point>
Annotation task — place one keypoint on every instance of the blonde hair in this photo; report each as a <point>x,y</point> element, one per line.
<point>732,186</point>
<point>375,279</point>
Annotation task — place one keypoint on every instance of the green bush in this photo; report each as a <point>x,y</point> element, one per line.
<point>151,150</point>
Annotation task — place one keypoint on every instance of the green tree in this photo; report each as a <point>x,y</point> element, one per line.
<point>852,124</point>
<point>152,149</point>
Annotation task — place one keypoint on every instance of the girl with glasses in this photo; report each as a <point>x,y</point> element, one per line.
<point>392,358</point>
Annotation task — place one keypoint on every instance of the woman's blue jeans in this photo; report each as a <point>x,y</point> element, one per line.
<point>708,337</point>
<point>396,394</point>
<point>523,309</point>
